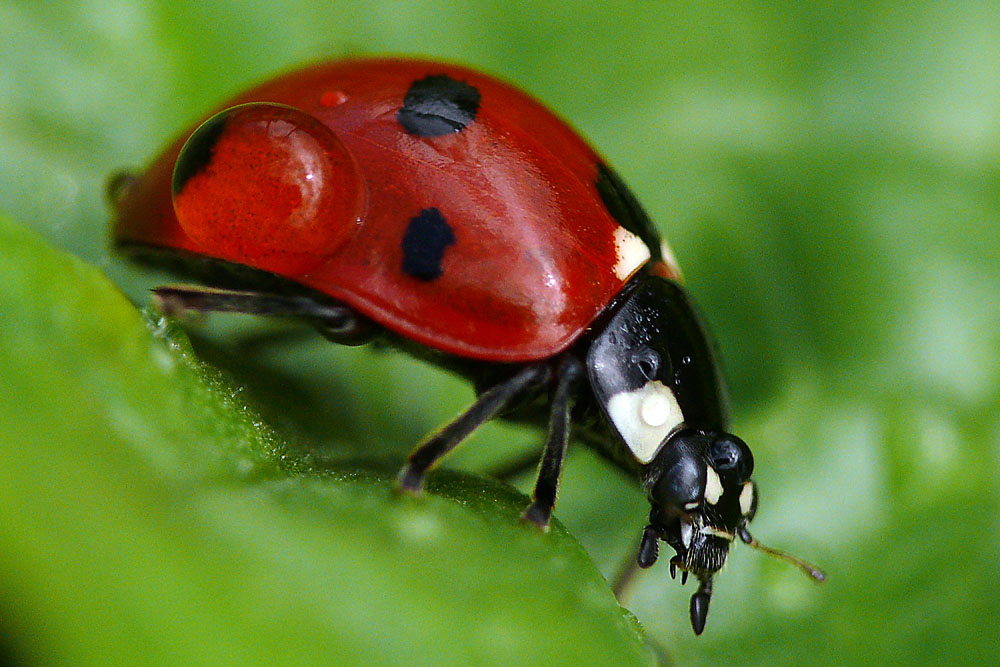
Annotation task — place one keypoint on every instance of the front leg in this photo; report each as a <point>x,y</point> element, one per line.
<point>546,486</point>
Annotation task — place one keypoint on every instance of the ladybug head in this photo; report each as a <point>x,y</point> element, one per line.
<point>701,496</point>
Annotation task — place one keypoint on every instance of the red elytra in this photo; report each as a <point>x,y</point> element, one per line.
<point>533,250</point>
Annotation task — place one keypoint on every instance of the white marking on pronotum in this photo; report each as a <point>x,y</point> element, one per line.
<point>645,417</point>
<point>631,251</point>
<point>656,409</point>
<point>746,498</point>
<point>713,486</point>
<point>693,505</point>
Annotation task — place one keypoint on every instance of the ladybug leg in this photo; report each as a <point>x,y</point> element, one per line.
<point>540,511</point>
<point>335,321</point>
<point>490,403</point>
<point>622,580</point>
<point>643,556</point>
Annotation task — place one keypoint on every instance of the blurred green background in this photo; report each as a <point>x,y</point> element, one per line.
<point>827,175</point>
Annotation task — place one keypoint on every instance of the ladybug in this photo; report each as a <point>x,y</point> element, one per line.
<point>443,211</point>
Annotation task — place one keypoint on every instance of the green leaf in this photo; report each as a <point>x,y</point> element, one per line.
<point>150,517</point>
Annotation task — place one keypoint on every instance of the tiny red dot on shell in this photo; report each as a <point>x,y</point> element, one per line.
<point>332,98</point>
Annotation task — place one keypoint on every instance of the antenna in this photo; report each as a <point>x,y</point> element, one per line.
<point>814,572</point>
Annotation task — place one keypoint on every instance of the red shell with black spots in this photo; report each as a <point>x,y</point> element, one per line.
<point>443,204</point>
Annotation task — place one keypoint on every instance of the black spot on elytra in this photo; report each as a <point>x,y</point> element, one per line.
<point>197,151</point>
<point>426,238</point>
<point>623,207</point>
<point>438,105</point>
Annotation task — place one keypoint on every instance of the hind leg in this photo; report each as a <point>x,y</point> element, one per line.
<point>334,320</point>
<point>550,468</point>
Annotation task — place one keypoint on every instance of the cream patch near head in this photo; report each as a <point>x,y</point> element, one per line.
<point>645,417</point>
<point>746,498</point>
<point>631,252</point>
<point>713,486</point>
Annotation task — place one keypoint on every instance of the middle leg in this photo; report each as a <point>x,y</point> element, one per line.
<point>544,498</point>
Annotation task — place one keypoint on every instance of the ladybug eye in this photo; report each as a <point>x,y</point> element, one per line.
<point>647,361</point>
<point>267,185</point>
<point>731,459</point>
